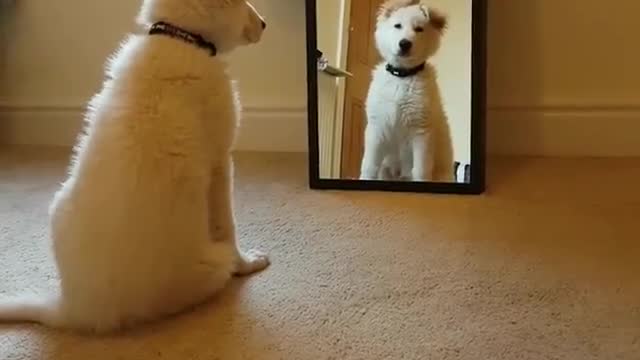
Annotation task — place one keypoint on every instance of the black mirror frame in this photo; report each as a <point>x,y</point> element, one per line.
<point>478,118</point>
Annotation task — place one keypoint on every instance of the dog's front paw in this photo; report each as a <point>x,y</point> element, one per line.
<point>250,262</point>
<point>368,175</point>
<point>421,175</point>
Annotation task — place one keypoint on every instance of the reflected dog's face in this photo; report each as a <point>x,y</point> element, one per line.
<point>408,33</point>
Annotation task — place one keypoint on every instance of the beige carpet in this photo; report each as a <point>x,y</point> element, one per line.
<point>545,266</point>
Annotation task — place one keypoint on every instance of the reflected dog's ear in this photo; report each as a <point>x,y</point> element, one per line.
<point>437,19</point>
<point>388,7</point>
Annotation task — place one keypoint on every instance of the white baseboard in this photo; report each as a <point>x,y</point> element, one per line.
<point>46,125</point>
<point>262,129</point>
<point>519,130</point>
<point>564,131</point>
<point>277,130</point>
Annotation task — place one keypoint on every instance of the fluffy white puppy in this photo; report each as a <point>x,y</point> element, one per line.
<point>407,134</point>
<point>143,227</point>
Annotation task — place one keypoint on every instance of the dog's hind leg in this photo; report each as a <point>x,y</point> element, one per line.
<point>212,271</point>
<point>197,283</point>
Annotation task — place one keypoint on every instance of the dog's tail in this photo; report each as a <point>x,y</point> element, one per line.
<point>35,309</point>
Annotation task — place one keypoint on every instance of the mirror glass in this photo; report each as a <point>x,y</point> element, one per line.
<point>394,90</point>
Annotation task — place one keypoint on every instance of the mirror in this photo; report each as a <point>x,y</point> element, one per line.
<point>396,94</point>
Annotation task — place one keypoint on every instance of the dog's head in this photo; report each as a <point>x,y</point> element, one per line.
<point>408,32</point>
<point>226,23</point>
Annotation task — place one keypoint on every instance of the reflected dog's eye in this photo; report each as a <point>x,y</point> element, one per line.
<point>398,26</point>
<point>419,29</point>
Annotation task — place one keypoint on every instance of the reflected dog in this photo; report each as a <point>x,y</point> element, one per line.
<point>407,136</point>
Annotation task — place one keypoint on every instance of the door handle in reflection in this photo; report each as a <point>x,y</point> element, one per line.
<point>323,66</point>
<point>335,72</point>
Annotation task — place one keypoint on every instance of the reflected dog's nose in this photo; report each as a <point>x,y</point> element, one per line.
<point>405,46</point>
<point>264,24</point>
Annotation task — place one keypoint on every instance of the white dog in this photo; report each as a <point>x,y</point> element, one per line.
<point>407,133</point>
<point>143,227</point>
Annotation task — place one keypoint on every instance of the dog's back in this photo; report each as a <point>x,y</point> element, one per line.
<point>130,214</point>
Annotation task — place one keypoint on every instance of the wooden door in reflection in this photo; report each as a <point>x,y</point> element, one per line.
<point>362,57</point>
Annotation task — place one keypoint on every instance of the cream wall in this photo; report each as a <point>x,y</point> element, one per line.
<point>563,75</point>
<point>53,61</point>
<point>328,16</point>
<point>453,64</point>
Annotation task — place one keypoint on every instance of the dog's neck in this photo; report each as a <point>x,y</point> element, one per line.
<point>164,28</point>
<point>404,72</point>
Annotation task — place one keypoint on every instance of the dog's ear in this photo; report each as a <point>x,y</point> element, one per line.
<point>388,7</point>
<point>437,19</point>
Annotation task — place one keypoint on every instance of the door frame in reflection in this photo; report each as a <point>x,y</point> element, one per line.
<point>476,184</point>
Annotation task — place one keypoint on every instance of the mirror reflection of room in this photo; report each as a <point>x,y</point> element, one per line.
<point>394,89</point>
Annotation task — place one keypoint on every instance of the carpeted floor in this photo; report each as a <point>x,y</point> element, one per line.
<point>545,266</point>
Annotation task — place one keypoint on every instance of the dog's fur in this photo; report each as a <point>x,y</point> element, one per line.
<point>407,134</point>
<point>143,226</point>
